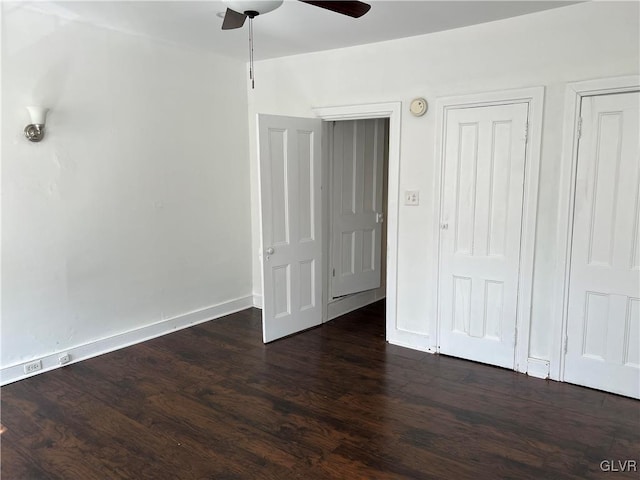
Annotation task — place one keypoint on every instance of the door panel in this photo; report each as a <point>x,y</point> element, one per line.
<point>289,150</point>
<point>483,165</point>
<point>358,162</point>
<point>604,283</point>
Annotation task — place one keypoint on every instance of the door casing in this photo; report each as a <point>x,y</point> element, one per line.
<point>392,111</point>
<point>534,96</point>
<point>568,170</point>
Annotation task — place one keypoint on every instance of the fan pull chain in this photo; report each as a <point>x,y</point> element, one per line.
<point>251,76</point>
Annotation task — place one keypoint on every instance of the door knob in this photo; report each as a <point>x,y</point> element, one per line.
<point>444,226</point>
<point>269,251</point>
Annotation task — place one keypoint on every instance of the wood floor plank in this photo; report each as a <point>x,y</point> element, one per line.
<point>214,402</point>
<point>17,462</point>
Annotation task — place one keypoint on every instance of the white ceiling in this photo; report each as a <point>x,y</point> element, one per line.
<point>291,29</point>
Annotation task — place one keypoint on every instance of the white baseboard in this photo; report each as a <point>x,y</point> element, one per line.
<point>257,301</point>
<point>353,302</point>
<point>341,305</point>
<point>109,344</point>
<point>538,368</point>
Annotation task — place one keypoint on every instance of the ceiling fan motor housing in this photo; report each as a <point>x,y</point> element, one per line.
<point>253,8</point>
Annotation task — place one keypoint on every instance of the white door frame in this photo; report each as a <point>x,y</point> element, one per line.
<point>568,167</point>
<point>534,96</point>
<point>392,111</point>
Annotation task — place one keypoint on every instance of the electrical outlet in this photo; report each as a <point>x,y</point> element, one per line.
<point>64,358</point>
<point>412,197</point>
<point>32,366</point>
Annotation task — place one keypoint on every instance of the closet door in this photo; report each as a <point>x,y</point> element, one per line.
<point>481,217</point>
<point>603,323</point>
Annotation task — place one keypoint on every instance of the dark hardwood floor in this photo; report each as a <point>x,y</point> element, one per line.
<point>213,402</point>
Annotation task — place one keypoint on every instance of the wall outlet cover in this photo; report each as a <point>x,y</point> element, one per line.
<point>412,197</point>
<point>33,366</point>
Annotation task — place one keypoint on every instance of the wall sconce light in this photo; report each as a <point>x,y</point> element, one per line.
<point>35,130</point>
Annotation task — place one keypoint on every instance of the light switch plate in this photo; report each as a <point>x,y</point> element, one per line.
<point>412,197</point>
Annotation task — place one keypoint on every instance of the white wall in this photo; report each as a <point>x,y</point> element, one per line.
<point>549,48</point>
<point>135,208</point>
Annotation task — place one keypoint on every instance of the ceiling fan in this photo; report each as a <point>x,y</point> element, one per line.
<point>239,10</point>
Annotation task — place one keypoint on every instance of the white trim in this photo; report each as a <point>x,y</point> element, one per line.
<point>84,351</point>
<point>327,187</point>
<point>391,110</point>
<point>534,96</point>
<point>260,230</point>
<point>538,368</point>
<point>573,97</point>
<point>358,112</point>
<point>257,301</point>
<point>349,303</point>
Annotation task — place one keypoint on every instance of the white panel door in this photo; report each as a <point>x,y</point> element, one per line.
<point>290,176</point>
<point>481,216</point>
<point>603,323</point>
<point>358,161</point>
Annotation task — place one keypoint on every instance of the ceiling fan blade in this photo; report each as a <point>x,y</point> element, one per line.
<point>233,19</point>
<point>352,9</point>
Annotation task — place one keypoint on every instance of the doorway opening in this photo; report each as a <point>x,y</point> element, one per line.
<point>295,213</point>
<point>391,114</point>
<point>355,202</point>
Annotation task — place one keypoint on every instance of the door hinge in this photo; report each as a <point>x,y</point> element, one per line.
<point>334,272</point>
<point>526,132</point>
<point>566,344</point>
<point>579,128</point>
